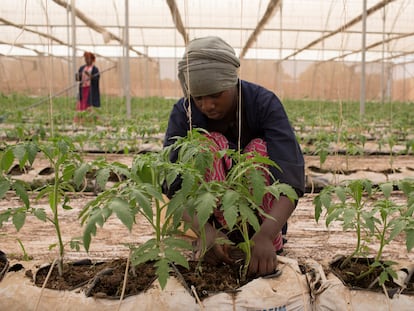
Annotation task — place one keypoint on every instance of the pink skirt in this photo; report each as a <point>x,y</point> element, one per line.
<point>82,104</point>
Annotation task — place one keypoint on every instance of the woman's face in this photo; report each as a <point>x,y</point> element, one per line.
<point>88,59</point>
<point>217,106</point>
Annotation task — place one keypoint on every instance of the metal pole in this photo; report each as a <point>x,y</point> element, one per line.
<point>382,58</point>
<point>126,62</point>
<point>363,51</point>
<point>74,67</point>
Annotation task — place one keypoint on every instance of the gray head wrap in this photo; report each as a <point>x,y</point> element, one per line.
<point>209,66</point>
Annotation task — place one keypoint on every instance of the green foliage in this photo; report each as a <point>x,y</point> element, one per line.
<point>372,214</point>
<point>68,173</point>
<point>141,194</point>
<point>22,153</point>
<point>239,197</point>
<point>317,123</point>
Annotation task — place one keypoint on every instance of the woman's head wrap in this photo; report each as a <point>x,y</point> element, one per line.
<point>89,54</point>
<point>209,66</point>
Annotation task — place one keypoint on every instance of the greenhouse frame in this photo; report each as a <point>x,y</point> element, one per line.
<point>315,49</point>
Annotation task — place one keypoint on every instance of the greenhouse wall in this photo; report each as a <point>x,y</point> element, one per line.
<point>43,75</point>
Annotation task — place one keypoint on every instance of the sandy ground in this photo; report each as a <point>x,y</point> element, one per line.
<point>306,238</point>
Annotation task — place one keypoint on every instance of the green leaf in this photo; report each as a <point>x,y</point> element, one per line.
<point>4,187</point>
<point>406,186</point>
<point>163,269</point>
<point>258,185</point>
<point>75,244</point>
<point>19,219</point>
<point>244,246</point>
<point>68,172</point>
<point>325,198</point>
<point>333,215</point>
<point>123,212</point>
<point>171,177</point>
<point>153,192</point>
<point>340,193</point>
<point>40,214</point>
<point>139,257</point>
<point>318,207</point>
<point>102,177</point>
<point>247,213</point>
<point>177,243</point>
<point>32,151</point>
<point>287,190</point>
<point>21,192</point>
<point>4,216</point>
<point>175,256</point>
<point>386,189</point>
<point>349,215</point>
<point>399,226</point>
<point>188,181</point>
<point>90,229</point>
<point>7,160</point>
<point>206,203</point>
<point>230,212</point>
<point>143,202</point>
<point>409,239</point>
<point>20,154</point>
<point>383,278</point>
<point>80,173</point>
<point>96,217</point>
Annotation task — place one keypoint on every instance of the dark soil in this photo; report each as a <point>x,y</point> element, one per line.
<point>105,279</point>
<point>4,264</point>
<point>209,280</point>
<point>357,266</point>
<point>102,279</point>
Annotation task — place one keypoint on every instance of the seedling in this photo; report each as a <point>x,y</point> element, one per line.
<point>140,193</point>
<point>239,196</point>
<point>68,172</point>
<point>372,214</point>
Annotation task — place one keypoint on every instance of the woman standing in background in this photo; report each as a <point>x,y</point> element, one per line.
<point>88,76</point>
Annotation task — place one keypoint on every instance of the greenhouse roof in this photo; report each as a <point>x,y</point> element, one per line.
<point>257,29</point>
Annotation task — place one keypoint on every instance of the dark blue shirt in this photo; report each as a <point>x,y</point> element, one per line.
<point>263,116</point>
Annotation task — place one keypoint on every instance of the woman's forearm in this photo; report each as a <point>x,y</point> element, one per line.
<point>280,211</point>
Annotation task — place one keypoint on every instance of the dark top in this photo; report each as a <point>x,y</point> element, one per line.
<point>263,116</point>
<point>94,98</point>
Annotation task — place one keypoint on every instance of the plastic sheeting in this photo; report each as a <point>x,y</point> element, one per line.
<point>329,293</point>
<point>288,291</point>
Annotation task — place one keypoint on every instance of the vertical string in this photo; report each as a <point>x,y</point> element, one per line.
<point>239,97</point>
<point>187,84</point>
<point>50,71</point>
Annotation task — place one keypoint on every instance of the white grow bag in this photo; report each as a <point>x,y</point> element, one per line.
<point>329,293</point>
<point>289,291</point>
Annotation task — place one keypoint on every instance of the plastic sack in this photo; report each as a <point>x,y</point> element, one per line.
<point>329,293</point>
<point>17,293</point>
<point>288,291</point>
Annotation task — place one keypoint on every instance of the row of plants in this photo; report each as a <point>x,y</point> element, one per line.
<point>374,217</point>
<point>367,210</point>
<point>139,191</point>
<point>321,127</point>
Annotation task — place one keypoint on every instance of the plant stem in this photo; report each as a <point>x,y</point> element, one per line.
<point>56,220</point>
<point>358,245</point>
<point>248,254</point>
<point>26,257</point>
<point>158,222</point>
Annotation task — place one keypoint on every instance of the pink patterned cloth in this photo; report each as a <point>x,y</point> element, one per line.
<point>82,104</point>
<point>220,169</point>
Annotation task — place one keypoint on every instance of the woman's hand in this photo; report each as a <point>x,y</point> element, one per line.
<point>216,252</point>
<point>264,259</point>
